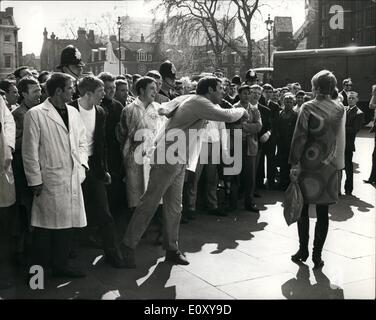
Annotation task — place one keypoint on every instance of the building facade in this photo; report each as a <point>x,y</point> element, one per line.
<point>136,57</point>
<point>31,61</point>
<point>338,23</point>
<point>10,48</point>
<point>52,47</point>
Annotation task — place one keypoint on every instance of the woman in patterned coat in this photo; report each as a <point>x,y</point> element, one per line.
<point>316,156</point>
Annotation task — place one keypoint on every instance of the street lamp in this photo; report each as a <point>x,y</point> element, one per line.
<point>269,27</point>
<point>119,27</point>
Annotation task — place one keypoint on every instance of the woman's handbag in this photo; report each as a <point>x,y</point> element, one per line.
<point>293,203</point>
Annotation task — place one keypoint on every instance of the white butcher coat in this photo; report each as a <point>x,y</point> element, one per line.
<point>54,156</point>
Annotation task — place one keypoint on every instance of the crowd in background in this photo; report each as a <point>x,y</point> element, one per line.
<point>74,153</point>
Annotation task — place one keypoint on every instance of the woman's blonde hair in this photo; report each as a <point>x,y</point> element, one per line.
<point>324,82</point>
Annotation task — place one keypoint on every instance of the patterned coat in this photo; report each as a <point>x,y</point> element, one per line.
<point>318,146</point>
<point>135,117</point>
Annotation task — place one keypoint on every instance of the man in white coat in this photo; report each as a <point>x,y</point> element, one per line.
<point>54,151</point>
<point>7,189</point>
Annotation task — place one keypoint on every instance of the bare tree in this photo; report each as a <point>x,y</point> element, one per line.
<point>214,19</point>
<point>103,27</point>
<point>189,21</point>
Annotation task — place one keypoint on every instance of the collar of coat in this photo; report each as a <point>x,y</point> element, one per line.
<point>54,115</point>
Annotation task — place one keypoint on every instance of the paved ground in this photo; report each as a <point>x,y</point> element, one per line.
<point>243,256</point>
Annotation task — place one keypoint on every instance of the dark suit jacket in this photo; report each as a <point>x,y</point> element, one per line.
<point>113,109</point>
<point>23,193</point>
<point>275,109</point>
<point>354,122</point>
<point>262,100</point>
<point>344,95</point>
<point>98,162</point>
<point>266,118</point>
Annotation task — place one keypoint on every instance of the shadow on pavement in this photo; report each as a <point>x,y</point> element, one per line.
<point>224,231</point>
<point>154,287</point>
<point>342,210</point>
<point>300,287</point>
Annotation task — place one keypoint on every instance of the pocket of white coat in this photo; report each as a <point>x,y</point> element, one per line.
<point>53,176</point>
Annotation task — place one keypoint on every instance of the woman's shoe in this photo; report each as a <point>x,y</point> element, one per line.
<point>300,256</point>
<point>316,258</point>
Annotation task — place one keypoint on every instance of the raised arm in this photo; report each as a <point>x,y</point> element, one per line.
<point>209,111</point>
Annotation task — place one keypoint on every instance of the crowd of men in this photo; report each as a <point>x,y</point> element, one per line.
<point>75,155</point>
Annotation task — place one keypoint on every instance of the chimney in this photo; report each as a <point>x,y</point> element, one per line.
<point>91,36</point>
<point>45,33</point>
<point>142,37</point>
<point>9,11</point>
<point>81,32</point>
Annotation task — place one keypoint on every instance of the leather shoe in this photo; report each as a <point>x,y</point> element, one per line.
<point>348,193</point>
<point>114,259</point>
<point>68,273</point>
<point>369,181</point>
<point>252,207</point>
<point>129,257</point>
<point>176,257</point>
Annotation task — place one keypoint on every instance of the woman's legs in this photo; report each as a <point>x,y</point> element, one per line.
<point>303,232</point>
<point>303,229</point>
<point>321,231</point>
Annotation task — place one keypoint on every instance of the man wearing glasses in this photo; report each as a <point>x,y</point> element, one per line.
<point>346,88</point>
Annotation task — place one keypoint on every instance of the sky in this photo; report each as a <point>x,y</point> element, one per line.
<point>32,16</point>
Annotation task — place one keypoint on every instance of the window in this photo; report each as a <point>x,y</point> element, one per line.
<point>5,22</point>
<point>262,59</point>
<point>7,38</point>
<point>142,56</point>
<point>94,55</point>
<point>103,55</point>
<point>8,60</point>
<point>150,57</point>
<point>224,57</point>
<point>237,58</point>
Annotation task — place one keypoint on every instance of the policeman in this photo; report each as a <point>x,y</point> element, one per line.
<point>71,63</point>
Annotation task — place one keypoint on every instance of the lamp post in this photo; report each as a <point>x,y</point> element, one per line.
<point>269,27</point>
<point>119,27</point>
